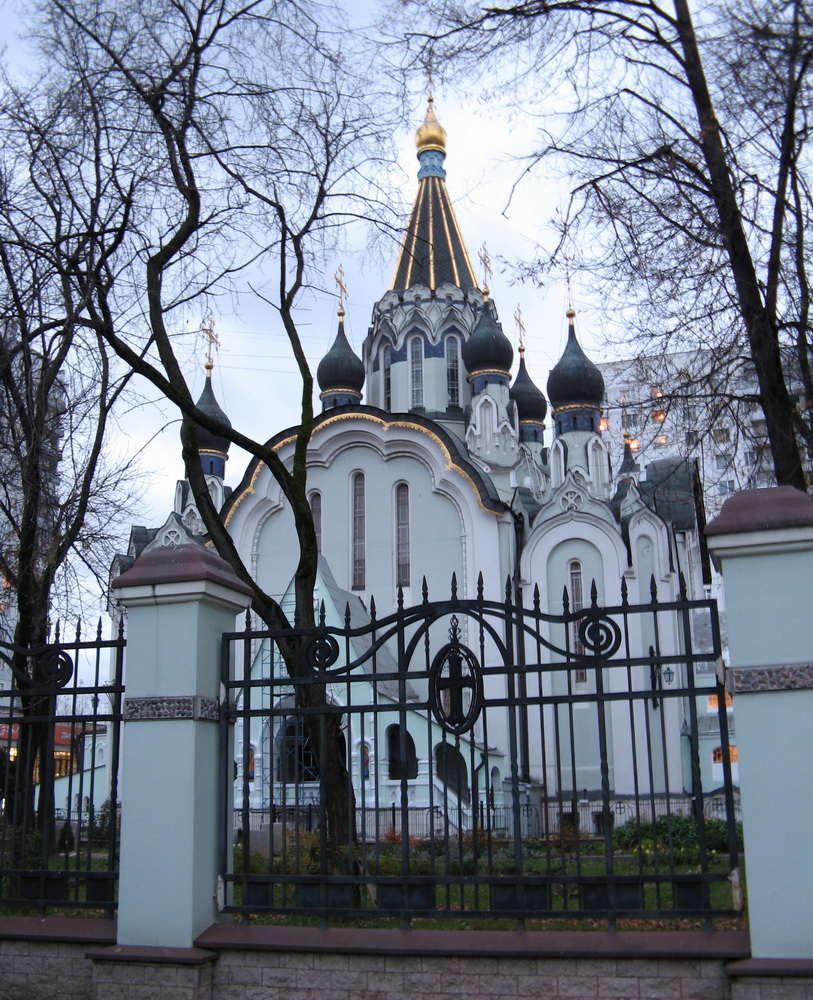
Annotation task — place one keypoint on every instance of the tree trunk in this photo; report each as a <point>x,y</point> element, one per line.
<point>760,325</point>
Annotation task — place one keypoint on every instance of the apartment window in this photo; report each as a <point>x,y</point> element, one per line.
<point>359,531</point>
<point>722,462</point>
<point>692,438</point>
<point>726,486</point>
<point>316,513</point>
<point>402,535</point>
<point>416,371</point>
<point>718,755</point>
<point>722,435</point>
<point>576,604</point>
<point>629,421</point>
<point>658,416</point>
<point>661,440</point>
<point>386,365</point>
<point>452,371</point>
<point>657,392</point>
<point>634,444</point>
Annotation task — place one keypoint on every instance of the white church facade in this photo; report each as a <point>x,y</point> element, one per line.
<point>430,461</point>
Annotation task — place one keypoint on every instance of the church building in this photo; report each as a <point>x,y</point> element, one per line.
<point>430,459</point>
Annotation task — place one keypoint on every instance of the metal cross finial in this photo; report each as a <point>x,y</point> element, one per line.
<point>207,328</point>
<point>430,79</point>
<point>485,260</point>
<point>520,326</point>
<point>339,278</point>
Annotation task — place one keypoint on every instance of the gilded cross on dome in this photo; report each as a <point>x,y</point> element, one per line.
<point>339,279</point>
<point>207,328</point>
<point>520,327</point>
<point>485,260</point>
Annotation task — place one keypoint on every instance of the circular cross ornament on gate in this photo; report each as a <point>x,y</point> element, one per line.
<point>455,685</point>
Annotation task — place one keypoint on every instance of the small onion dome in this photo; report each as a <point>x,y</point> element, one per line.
<point>575,381</point>
<point>341,372</point>
<point>431,135</point>
<point>530,400</point>
<point>488,351</point>
<point>206,440</point>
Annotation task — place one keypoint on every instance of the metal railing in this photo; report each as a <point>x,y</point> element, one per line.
<point>60,722</point>
<point>477,758</point>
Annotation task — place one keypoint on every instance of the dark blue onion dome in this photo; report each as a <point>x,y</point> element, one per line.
<point>487,354</point>
<point>340,373</point>
<point>530,400</point>
<point>213,449</point>
<point>575,387</point>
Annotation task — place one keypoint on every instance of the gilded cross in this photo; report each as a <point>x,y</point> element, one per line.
<point>207,328</point>
<point>520,326</point>
<point>485,260</point>
<point>339,279</point>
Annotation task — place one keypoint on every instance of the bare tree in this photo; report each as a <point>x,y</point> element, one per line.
<point>261,145</point>
<point>62,496</point>
<point>687,139</point>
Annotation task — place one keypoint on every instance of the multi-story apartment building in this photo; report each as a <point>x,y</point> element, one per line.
<point>691,404</point>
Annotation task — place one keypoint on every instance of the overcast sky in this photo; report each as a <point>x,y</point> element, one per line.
<point>255,379</point>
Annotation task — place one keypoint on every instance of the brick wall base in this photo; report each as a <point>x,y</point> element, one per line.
<point>47,959</point>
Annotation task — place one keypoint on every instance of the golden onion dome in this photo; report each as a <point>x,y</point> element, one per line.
<point>431,135</point>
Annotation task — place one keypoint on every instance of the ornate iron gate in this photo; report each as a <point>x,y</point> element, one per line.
<point>480,758</point>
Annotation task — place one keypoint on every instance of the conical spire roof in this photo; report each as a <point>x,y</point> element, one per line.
<point>209,404</point>
<point>575,380</point>
<point>432,252</point>
<point>341,368</point>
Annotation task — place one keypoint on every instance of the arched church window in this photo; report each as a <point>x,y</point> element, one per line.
<point>416,371</point>
<point>576,604</point>
<point>359,531</point>
<point>386,366</point>
<point>402,535</point>
<point>316,512</point>
<point>450,767</point>
<point>452,371</point>
<point>401,765</point>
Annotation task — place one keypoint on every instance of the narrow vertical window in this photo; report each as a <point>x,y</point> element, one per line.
<point>359,529</point>
<point>576,604</point>
<point>452,372</point>
<point>416,370</point>
<point>316,512</point>
<point>402,535</point>
<point>386,365</point>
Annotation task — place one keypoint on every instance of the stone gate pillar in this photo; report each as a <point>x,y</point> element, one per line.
<point>179,602</point>
<point>762,542</point>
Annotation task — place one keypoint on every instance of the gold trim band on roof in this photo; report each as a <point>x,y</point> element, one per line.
<point>385,425</point>
<point>575,406</point>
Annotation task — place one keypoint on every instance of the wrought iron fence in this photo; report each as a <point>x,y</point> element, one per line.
<point>60,716</point>
<point>479,758</point>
